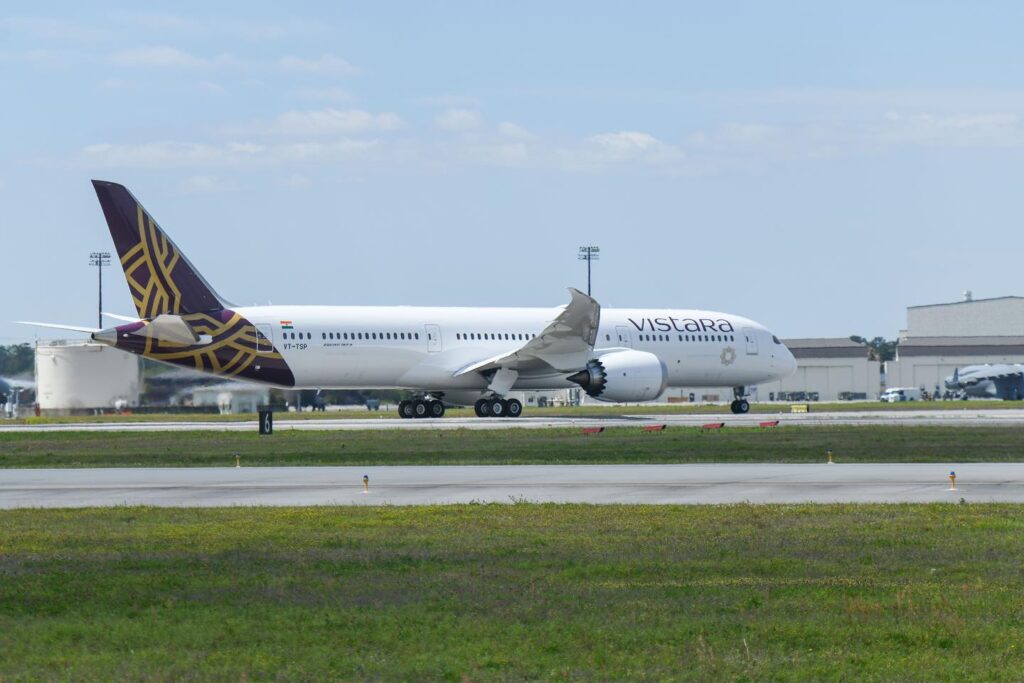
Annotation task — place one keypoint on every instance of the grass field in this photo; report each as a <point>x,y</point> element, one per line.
<point>514,592</point>
<point>534,446</point>
<point>589,410</point>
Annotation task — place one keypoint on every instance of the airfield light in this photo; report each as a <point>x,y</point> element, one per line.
<point>100,259</point>
<point>588,254</point>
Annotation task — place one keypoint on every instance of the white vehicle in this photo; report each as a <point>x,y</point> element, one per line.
<point>453,356</point>
<point>898,394</point>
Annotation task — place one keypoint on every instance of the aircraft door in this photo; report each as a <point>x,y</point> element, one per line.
<point>264,338</point>
<point>433,338</point>
<point>624,337</point>
<point>750,335</point>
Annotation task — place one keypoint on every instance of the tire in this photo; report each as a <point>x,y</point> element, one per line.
<point>420,409</point>
<point>482,408</point>
<point>734,408</point>
<point>742,407</point>
<point>436,409</point>
<point>515,408</point>
<point>498,408</point>
<point>405,409</point>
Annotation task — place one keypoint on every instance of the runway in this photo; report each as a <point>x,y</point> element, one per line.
<point>965,417</point>
<point>599,484</point>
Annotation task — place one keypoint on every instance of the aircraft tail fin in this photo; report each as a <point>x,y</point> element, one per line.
<point>160,277</point>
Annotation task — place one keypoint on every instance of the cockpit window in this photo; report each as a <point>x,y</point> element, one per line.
<point>775,339</point>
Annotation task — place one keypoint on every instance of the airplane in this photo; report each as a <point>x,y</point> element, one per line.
<point>442,356</point>
<point>1002,380</point>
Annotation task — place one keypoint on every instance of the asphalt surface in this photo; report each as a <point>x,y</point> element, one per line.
<point>600,484</point>
<point>880,417</point>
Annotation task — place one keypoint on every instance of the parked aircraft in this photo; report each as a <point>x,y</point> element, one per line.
<point>442,355</point>
<point>1002,380</point>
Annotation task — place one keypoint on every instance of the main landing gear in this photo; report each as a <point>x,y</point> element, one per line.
<point>426,406</point>
<point>740,405</point>
<point>498,407</point>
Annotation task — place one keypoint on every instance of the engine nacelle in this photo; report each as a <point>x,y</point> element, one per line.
<point>625,376</point>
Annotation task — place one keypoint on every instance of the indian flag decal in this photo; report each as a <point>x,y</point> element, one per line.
<point>286,324</point>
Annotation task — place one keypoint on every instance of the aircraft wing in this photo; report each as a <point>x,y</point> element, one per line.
<point>565,344</point>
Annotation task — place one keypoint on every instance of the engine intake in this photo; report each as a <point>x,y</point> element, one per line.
<point>623,376</point>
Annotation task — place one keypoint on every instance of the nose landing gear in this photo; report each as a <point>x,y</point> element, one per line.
<point>740,405</point>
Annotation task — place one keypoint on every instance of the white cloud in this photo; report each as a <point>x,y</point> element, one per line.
<point>165,56</point>
<point>512,130</point>
<point>966,130</point>
<point>233,155</point>
<point>325,64</point>
<point>627,146</point>
<point>327,121</point>
<point>458,120</point>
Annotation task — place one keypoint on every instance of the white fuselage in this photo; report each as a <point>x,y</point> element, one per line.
<point>420,348</point>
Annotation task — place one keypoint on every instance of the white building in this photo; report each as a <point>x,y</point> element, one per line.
<point>73,376</point>
<point>942,337</point>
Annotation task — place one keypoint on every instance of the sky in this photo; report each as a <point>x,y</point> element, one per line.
<point>817,167</point>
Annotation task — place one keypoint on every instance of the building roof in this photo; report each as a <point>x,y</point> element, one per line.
<point>966,301</point>
<point>826,347</point>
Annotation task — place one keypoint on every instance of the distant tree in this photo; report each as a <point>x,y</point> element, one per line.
<point>16,359</point>
<point>879,348</point>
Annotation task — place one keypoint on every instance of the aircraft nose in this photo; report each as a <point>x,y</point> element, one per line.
<point>790,362</point>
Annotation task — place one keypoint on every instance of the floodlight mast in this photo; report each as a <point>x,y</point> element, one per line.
<point>100,259</point>
<point>589,253</point>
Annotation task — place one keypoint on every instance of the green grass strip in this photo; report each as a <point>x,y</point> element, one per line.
<point>513,592</point>
<point>513,446</point>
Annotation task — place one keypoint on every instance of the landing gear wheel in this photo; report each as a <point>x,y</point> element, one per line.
<point>436,409</point>
<point>419,408</point>
<point>515,408</point>
<point>482,408</point>
<point>740,406</point>
<point>405,409</point>
<point>498,407</point>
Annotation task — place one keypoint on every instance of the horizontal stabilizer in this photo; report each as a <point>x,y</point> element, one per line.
<point>122,318</point>
<point>71,328</point>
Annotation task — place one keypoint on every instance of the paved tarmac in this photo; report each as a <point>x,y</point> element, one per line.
<point>967,416</point>
<point>656,484</point>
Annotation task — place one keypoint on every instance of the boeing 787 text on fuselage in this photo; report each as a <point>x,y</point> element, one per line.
<point>442,355</point>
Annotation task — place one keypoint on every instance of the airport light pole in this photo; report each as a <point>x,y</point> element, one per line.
<point>588,254</point>
<point>100,259</point>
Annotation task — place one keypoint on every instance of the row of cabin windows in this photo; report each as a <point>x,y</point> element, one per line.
<point>682,337</point>
<point>400,336</point>
<point>494,335</point>
<point>308,335</point>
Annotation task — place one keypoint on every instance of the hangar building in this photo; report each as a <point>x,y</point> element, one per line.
<point>833,369</point>
<point>941,337</point>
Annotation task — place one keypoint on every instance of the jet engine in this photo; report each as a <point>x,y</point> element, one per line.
<point>623,376</point>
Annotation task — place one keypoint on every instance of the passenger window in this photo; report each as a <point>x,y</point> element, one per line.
<point>417,335</point>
